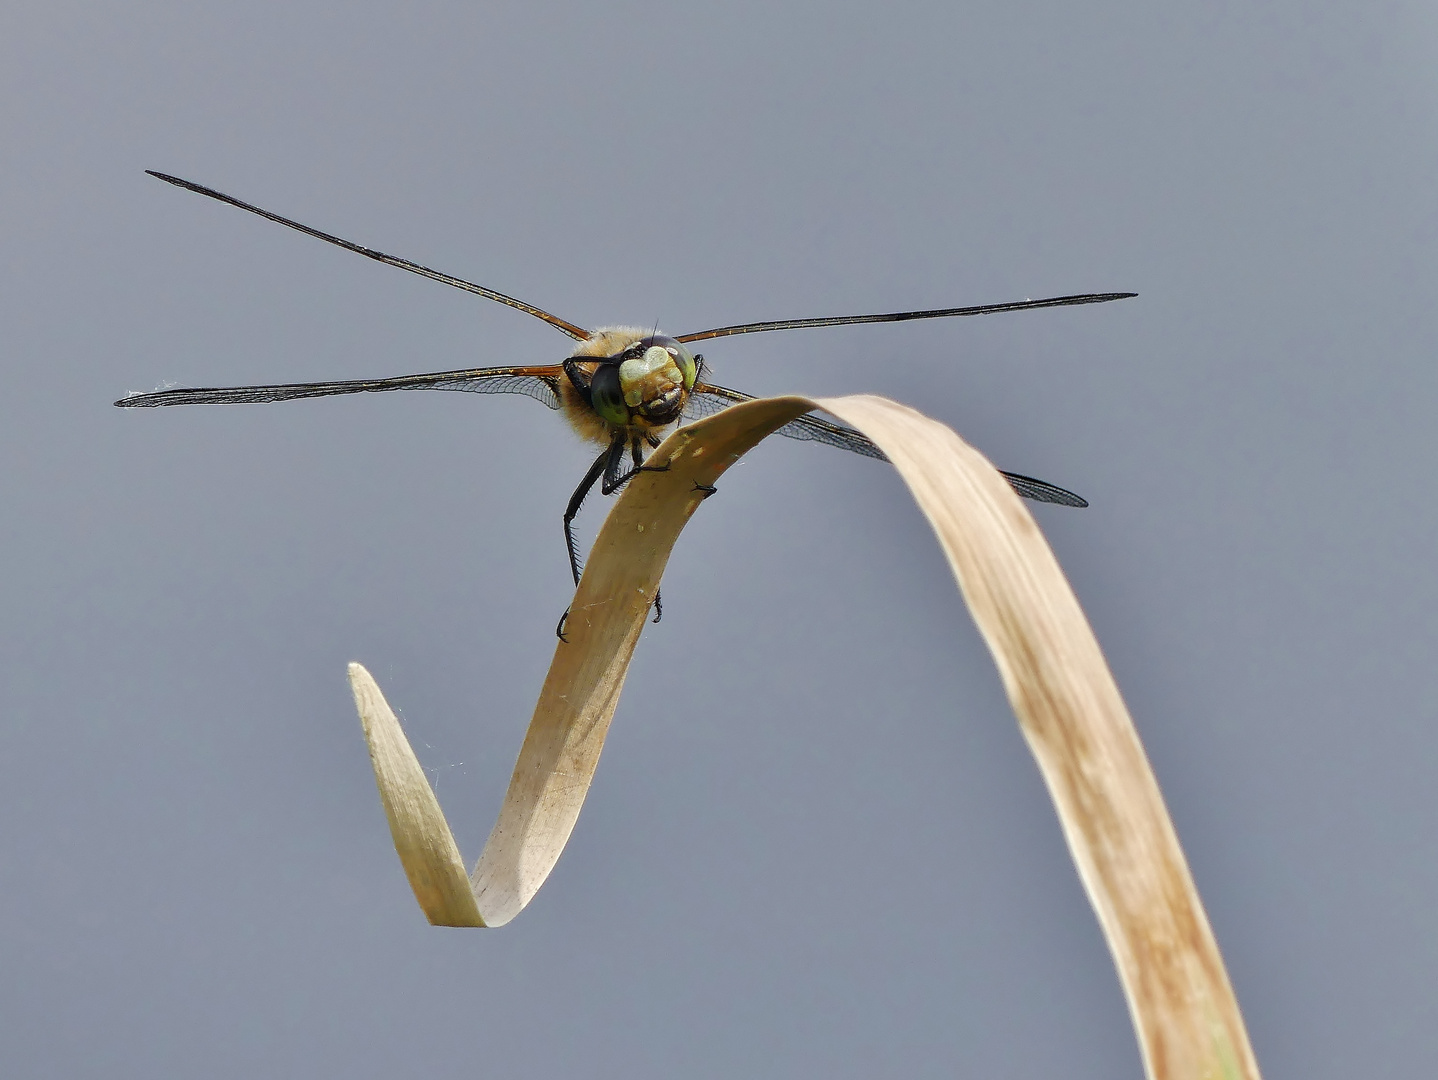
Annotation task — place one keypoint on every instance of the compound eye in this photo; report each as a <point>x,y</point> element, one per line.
<point>606,395</point>
<point>688,367</point>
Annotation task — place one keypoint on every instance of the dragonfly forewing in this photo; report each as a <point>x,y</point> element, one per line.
<point>709,399</point>
<point>540,383</point>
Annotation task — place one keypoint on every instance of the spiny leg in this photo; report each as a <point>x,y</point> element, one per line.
<point>605,465</point>
<point>591,477</point>
<point>613,459</point>
<point>601,467</point>
<point>614,479</point>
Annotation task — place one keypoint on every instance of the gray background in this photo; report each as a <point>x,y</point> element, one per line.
<point>816,845</point>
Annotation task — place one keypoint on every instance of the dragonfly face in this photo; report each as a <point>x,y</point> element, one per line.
<point>620,387</point>
<point>638,386</point>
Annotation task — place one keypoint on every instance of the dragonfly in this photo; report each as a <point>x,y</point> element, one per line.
<point>621,387</point>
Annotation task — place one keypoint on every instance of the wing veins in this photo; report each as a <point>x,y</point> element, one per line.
<point>576,332</point>
<point>813,429</point>
<point>905,316</point>
<point>540,383</point>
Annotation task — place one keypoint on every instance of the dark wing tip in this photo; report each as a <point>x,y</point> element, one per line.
<point>1042,491</point>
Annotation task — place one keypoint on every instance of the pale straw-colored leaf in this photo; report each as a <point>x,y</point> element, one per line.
<point>1066,701</point>
<point>426,847</point>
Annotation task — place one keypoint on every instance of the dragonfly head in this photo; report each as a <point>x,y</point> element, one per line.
<point>646,383</point>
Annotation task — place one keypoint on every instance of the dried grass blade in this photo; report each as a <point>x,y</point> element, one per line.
<point>1067,703</point>
<point>566,734</point>
<point>1074,719</point>
<point>422,838</point>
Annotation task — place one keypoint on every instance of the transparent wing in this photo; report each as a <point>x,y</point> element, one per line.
<point>542,388</point>
<point>540,383</point>
<point>708,399</point>
<point>576,332</point>
<point>1039,491</point>
<point>905,316</point>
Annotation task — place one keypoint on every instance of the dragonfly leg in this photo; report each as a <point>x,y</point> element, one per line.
<point>637,451</point>
<point>614,479</point>
<point>707,489</point>
<point>578,380</point>
<point>607,467</point>
<point>602,465</point>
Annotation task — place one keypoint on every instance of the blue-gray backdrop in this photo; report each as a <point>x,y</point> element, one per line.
<point>816,845</point>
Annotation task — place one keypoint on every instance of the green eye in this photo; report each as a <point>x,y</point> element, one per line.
<point>687,367</point>
<point>606,396</point>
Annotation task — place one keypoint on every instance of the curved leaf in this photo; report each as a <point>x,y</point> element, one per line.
<point>1061,690</point>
